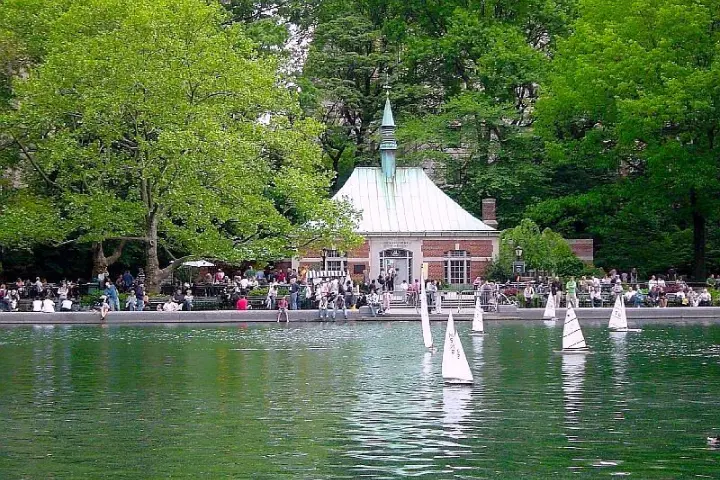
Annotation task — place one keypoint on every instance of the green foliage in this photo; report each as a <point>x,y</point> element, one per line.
<point>634,93</point>
<point>154,109</point>
<point>542,250</point>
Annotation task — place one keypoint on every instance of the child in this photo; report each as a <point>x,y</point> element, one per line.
<point>282,305</point>
<point>104,307</point>
<point>387,296</point>
<point>323,306</point>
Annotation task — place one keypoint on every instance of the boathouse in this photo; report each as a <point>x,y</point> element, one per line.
<point>407,220</point>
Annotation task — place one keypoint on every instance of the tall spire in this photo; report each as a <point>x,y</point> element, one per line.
<point>388,143</point>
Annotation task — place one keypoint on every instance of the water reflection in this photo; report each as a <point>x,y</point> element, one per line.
<point>456,409</point>
<point>353,400</point>
<point>427,364</point>
<point>619,356</point>
<point>573,377</point>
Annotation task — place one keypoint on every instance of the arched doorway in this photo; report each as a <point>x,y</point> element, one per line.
<point>400,260</point>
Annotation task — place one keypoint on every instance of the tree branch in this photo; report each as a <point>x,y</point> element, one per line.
<point>32,161</point>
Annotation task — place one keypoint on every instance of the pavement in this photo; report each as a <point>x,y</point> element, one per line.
<point>636,316</point>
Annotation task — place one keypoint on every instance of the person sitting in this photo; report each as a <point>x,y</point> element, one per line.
<point>339,304</point>
<point>373,301</point>
<point>131,302</point>
<point>282,305</point>
<point>48,305</point>
<point>37,305</point>
<point>170,305</point>
<point>528,293</point>
<point>188,302</point>
<point>654,296</point>
<point>681,298</point>
<point>632,297</point>
<point>595,297</point>
<point>104,307</point>
<point>66,305</point>
<point>705,299</point>
<point>241,304</point>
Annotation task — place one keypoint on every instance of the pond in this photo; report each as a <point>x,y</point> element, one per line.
<point>353,400</point>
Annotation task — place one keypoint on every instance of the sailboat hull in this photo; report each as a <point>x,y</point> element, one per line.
<point>456,381</point>
<point>575,351</point>
<point>625,330</point>
<point>477,333</point>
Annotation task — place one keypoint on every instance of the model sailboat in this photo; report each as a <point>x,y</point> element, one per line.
<point>455,368</point>
<point>477,323</point>
<point>573,340</point>
<point>549,313</point>
<point>424,316</point>
<point>618,318</point>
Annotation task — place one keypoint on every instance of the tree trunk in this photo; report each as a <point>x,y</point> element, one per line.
<point>699,239</point>
<point>100,261</point>
<point>152,264</point>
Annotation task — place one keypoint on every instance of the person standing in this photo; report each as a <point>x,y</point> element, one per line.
<point>556,290</point>
<point>140,297</point>
<point>571,293</point>
<point>112,296</point>
<point>323,307</point>
<point>282,305</point>
<point>294,290</point>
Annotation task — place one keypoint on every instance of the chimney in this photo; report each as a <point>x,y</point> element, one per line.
<point>488,212</point>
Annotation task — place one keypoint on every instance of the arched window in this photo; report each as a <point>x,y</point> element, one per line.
<point>457,267</point>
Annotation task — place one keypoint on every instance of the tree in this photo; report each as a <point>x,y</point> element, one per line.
<point>635,93</point>
<point>172,121</point>
<point>542,250</point>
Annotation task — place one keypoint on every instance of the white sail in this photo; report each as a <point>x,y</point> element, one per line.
<point>438,302</point>
<point>550,307</point>
<point>455,368</point>
<point>573,338</point>
<point>618,318</point>
<point>477,323</point>
<point>424,316</point>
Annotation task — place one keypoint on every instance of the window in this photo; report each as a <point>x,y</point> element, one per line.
<point>334,265</point>
<point>457,267</point>
<point>334,261</point>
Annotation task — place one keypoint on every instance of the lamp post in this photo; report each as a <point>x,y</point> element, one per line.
<point>518,264</point>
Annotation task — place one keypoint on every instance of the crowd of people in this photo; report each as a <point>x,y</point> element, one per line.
<point>598,292</point>
<point>290,289</point>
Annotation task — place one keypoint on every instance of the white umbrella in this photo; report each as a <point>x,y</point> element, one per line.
<point>198,263</point>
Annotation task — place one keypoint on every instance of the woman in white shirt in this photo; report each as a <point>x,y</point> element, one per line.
<point>48,306</point>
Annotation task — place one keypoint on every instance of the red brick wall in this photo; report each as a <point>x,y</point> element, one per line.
<point>488,209</point>
<point>476,248</point>
<point>477,269</point>
<point>363,251</point>
<point>583,248</point>
<point>351,269</point>
<point>436,270</point>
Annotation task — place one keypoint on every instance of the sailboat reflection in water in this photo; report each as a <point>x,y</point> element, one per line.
<point>456,409</point>
<point>573,377</point>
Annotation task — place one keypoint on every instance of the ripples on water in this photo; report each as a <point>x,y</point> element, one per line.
<point>355,400</point>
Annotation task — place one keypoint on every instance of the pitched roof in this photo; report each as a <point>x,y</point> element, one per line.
<point>411,203</point>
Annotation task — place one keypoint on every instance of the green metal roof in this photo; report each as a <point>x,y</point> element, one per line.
<point>409,203</point>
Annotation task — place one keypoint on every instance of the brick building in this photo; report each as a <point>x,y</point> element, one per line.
<point>407,221</point>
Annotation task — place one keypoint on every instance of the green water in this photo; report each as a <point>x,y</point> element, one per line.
<point>355,400</point>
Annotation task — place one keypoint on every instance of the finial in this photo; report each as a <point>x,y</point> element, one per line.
<point>387,86</point>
